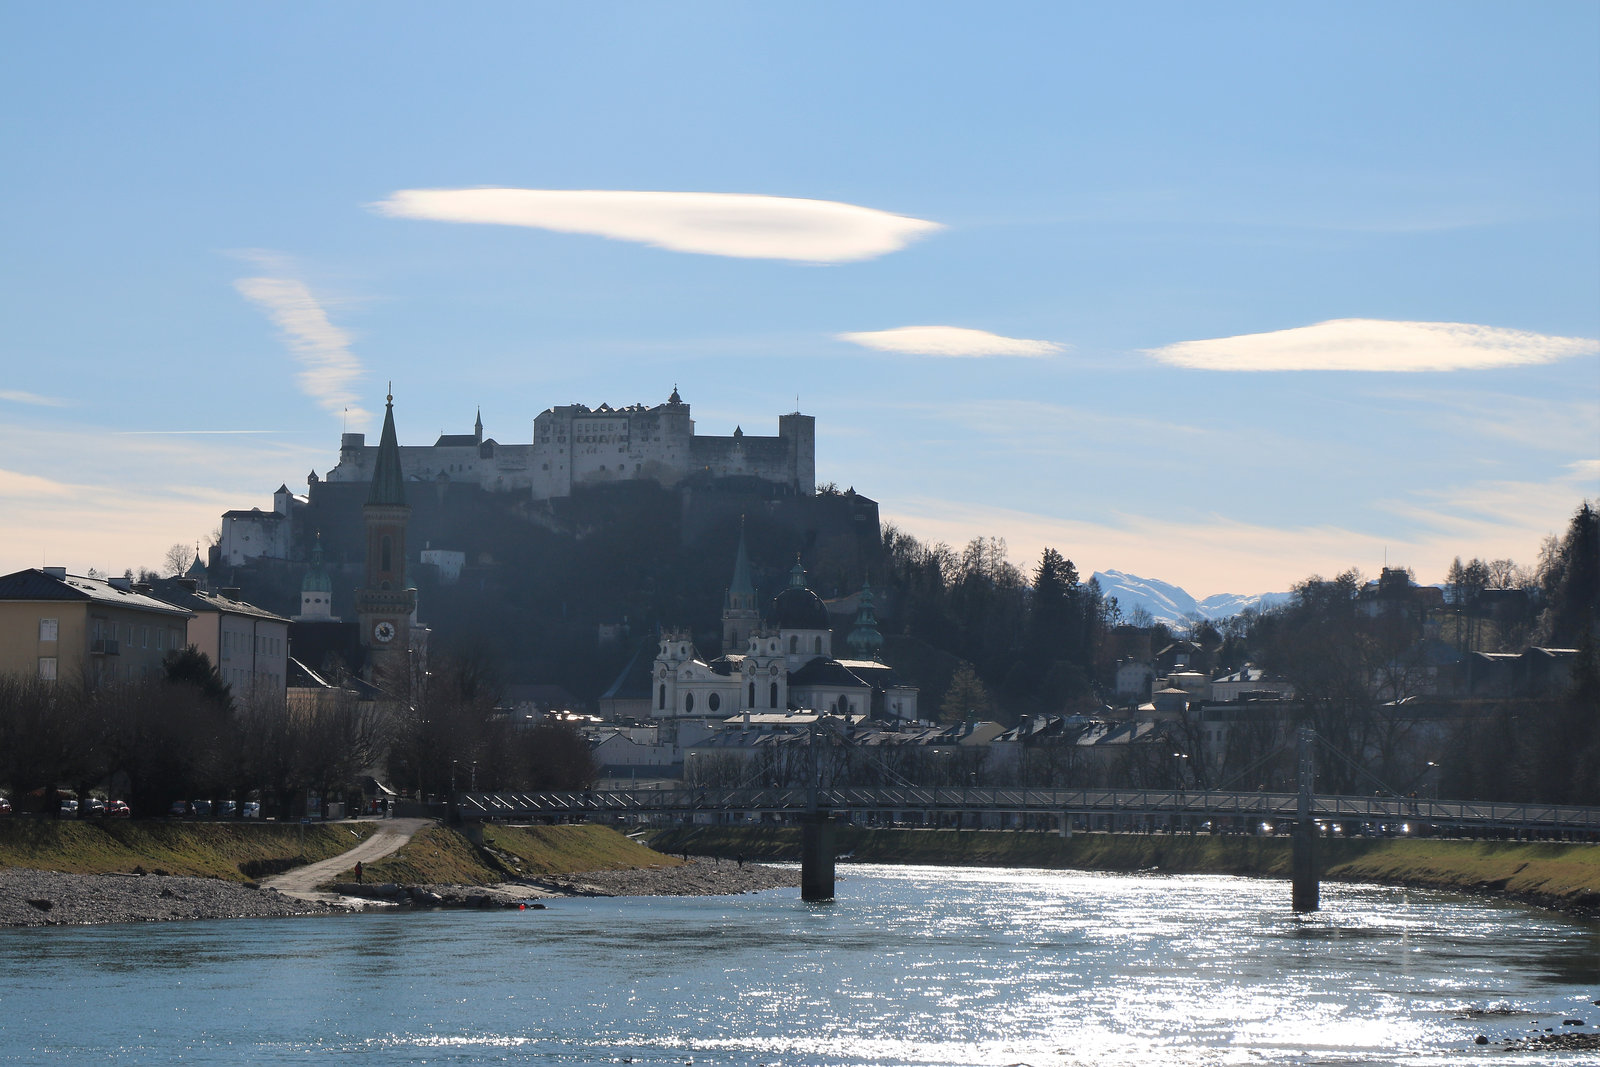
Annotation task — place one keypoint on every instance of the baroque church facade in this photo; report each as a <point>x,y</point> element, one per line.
<point>778,665</point>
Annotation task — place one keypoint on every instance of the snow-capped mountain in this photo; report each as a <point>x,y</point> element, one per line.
<point>1170,604</point>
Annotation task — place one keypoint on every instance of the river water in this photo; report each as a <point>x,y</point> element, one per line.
<point>911,966</point>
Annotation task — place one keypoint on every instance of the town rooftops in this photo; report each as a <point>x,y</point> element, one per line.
<point>54,583</point>
<point>201,601</point>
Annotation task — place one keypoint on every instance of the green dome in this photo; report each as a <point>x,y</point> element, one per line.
<point>316,579</point>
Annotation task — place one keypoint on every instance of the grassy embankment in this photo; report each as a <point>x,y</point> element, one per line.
<point>439,855</point>
<point>1561,876</point>
<point>235,851</point>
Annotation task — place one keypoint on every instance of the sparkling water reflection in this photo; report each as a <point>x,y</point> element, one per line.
<point>912,966</point>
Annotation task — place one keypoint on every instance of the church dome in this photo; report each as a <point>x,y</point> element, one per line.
<point>798,608</point>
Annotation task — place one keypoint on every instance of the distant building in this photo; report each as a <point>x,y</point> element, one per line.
<point>93,631</point>
<point>783,664</point>
<point>575,446</point>
<point>248,646</point>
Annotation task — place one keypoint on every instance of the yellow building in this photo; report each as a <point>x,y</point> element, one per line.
<point>97,631</point>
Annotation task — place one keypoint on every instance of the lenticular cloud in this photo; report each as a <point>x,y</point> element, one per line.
<point>747,226</point>
<point>951,341</point>
<point>1376,345</point>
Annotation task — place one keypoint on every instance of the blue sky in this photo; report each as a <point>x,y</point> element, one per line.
<point>1272,289</point>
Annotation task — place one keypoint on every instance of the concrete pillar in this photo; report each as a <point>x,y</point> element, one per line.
<point>816,856</point>
<point>1303,868</point>
<point>1304,891</point>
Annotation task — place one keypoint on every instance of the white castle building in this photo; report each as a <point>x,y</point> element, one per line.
<point>575,446</point>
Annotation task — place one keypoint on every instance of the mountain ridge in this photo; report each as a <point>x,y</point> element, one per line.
<point>1172,604</point>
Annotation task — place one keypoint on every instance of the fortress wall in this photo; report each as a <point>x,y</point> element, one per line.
<point>767,458</point>
<point>574,445</point>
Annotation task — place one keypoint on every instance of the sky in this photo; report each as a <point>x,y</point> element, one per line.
<point>1226,295</point>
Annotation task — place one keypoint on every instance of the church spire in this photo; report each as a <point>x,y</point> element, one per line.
<point>740,616</point>
<point>388,483</point>
<point>865,640</point>
<point>477,427</point>
<point>742,589</point>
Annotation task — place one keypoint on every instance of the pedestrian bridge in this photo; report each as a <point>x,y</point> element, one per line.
<point>1010,806</point>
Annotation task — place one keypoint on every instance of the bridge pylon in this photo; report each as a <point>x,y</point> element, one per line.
<point>1305,892</point>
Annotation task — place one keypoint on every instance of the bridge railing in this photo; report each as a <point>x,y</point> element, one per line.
<point>1016,799</point>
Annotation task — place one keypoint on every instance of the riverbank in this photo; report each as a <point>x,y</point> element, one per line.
<point>53,898</point>
<point>1558,876</point>
<point>155,872</point>
<point>234,851</point>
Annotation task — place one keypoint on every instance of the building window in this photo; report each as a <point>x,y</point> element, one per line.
<point>714,701</point>
<point>385,554</point>
<point>794,643</point>
<point>47,668</point>
<point>661,701</point>
<point>772,700</point>
<point>49,629</point>
<point>752,702</point>
<point>688,702</point>
<point>816,645</point>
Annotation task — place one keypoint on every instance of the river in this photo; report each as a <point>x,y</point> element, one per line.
<point>911,966</point>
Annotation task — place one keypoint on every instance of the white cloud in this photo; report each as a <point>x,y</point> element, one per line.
<point>16,484</point>
<point>954,341</point>
<point>743,225</point>
<point>329,369</point>
<point>17,396</point>
<point>1376,345</point>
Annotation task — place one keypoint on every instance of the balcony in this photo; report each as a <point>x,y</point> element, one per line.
<point>105,646</point>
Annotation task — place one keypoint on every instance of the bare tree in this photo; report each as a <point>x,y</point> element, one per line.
<point>176,559</point>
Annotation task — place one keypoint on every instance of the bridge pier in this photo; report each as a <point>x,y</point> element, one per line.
<point>1304,892</point>
<point>816,855</point>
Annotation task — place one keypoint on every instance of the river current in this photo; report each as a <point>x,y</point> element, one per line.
<point>911,966</point>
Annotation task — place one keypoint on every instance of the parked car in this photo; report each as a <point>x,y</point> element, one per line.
<point>5,806</point>
<point>201,808</point>
<point>178,809</point>
<point>227,809</point>
<point>96,807</point>
<point>118,809</point>
<point>252,809</point>
<point>69,806</point>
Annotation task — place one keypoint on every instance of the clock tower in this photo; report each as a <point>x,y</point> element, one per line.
<point>384,603</point>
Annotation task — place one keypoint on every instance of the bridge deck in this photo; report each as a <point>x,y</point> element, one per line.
<point>1203,804</point>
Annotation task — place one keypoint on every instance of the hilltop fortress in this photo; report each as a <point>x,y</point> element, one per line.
<point>575,446</point>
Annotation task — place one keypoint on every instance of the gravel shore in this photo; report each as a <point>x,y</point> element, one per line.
<point>46,898</point>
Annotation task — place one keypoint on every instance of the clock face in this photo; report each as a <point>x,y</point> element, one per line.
<point>383,632</point>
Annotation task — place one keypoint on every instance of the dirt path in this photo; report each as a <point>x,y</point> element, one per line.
<point>301,883</point>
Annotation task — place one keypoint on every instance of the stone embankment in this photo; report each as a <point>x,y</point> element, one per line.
<point>48,898</point>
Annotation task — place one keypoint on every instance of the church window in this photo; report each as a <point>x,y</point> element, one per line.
<point>714,701</point>
<point>772,696</point>
<point>688,702</point>
<point>661,701</point>
<point>752,701</point>
<point>816,645</point>
<point>794,643</point>
<point>385,554</point>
